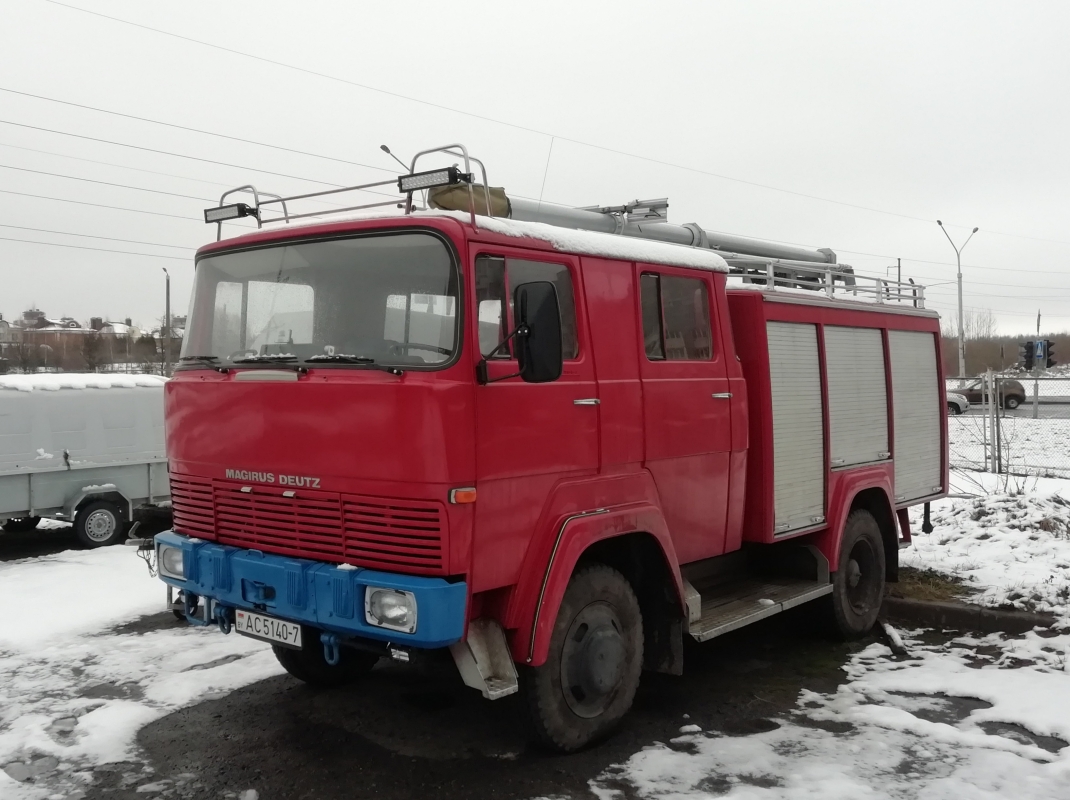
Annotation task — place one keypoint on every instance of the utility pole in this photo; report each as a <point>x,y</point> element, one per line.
<point>899,270</point>
<point>958,260</point>
<point>166,337</point>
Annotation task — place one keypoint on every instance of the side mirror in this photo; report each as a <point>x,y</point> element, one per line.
<point>538,341</point>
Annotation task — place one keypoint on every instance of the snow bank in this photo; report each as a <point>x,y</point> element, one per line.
<point>54,381</point>
<point>1014,549</point>
<point>73,593</point>
<point>73,695</point>
<point>894,729</point>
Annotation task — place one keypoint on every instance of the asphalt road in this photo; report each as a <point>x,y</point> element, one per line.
<point>414,731</point>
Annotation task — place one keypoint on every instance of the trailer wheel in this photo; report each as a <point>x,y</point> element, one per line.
<point>21,524</point>
<point>309,665</point>
<point>591,673</point>
<point>858,585</point>
<point>99,524</point>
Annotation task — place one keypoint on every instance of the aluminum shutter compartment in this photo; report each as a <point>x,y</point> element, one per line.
<point>917,400</point>
<point>798,427</point>
<point>858,398</point>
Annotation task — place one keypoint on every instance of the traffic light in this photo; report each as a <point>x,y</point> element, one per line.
<point>1049,352</point>
<point>1026,351</point>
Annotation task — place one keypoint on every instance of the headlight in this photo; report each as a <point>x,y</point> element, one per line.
<point>171,563</point>
<point>390,608</point>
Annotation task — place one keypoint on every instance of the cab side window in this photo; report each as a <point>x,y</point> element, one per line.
<point>497,279</point>
<point>676,318</point>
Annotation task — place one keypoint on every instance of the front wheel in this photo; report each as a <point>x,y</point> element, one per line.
<point>953,410</point>
<point>592,670</point>
<point>309,665</point>
<point>858,585</point>
<point>99,524</point>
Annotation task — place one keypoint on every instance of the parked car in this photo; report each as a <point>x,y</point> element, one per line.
<point>957,403</point>
<point>1011,393</point>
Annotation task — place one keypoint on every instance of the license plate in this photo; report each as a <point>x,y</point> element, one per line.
<point>268,629</point>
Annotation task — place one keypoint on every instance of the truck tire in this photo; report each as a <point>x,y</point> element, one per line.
<point>21,524</point>
<point>309,665</point>
<point>858,585</point>
<point>99,524</point>
<point>591,673</point>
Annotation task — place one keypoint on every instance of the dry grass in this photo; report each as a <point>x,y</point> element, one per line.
<point>927,584</point>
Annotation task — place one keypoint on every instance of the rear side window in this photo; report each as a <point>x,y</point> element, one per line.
<point>676,318</point>
<point>496,281</point>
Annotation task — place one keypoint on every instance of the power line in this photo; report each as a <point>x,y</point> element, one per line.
<point>91,236</point>
<point>516,126</point>
<point>105,183</point>
<point>195,130</point>
<point>99,205</point>
<point>98,249</point>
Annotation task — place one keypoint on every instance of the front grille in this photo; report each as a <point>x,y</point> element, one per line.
<point>191,505</point>
<point>374,532</point>
<point>392,534</point>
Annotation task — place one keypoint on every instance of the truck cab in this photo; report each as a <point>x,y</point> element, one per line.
<point>554,451</point>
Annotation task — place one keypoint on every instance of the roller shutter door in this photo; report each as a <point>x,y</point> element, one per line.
<point>798,427</point>
<point>917,401</point>
<point>858,399</point>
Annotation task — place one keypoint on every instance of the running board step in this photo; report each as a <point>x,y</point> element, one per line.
<point>727,607</point>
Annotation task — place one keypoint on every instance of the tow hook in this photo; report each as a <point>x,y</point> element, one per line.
<point>223,618</point>
<point>331,653</point>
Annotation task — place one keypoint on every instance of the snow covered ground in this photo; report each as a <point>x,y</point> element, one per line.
<point>1011,542</point>
<point>1034,446</point>
<point>979,718</point>
<point>74,691</point>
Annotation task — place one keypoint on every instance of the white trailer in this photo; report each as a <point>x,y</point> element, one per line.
<point>83,448</point>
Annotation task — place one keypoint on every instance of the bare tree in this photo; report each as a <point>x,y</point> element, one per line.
<point>92,351</point>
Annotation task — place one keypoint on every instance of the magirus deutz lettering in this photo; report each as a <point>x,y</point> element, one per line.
<point>305,481</point>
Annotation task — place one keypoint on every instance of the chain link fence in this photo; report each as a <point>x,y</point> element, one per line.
<point>1015,426</point>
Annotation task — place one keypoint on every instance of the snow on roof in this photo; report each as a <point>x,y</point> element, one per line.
<point>54,381</point>
<point>566,240</point>
<point>593,243</point>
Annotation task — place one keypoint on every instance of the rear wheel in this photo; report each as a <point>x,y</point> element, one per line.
<point>21,524</point>
<point>1011,402</point>
<point>99,524</point>
<point>858,585</point>
<point>309,665</point>
<point>592,670</point>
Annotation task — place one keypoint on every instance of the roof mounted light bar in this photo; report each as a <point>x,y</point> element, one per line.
<point>233,211</point>
<point>431,179</point>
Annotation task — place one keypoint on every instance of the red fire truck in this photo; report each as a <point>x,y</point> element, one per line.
<point>553,440</point>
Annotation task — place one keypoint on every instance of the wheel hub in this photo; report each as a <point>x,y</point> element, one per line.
<point>863,582</point>
<point>593,660</point>
<point>100,525</point>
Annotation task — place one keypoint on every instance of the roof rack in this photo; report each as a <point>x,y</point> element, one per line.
<point>776,273</point>
<point>759,263</point>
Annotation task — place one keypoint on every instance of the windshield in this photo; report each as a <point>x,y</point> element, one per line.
<point>391,299</point>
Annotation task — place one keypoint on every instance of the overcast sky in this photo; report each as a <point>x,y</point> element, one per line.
<point>831,124</point>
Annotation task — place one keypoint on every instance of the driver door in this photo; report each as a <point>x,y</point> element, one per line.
<point>529,436</point>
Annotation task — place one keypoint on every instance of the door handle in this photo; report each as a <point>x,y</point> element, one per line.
<point>587,401</point>
<point>721,395</point>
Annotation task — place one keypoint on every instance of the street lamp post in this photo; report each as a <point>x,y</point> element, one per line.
<point>166,337</point>
<point>958,260</point>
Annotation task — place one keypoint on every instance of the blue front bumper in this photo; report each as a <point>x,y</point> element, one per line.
<point>321,595</point>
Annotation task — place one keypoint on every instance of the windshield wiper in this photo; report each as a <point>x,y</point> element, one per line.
<point>365,361</point>
<point>279,359</point>
<point>208,361</point>
<point>342,359</point>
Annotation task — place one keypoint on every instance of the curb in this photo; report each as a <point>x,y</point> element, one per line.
<point>966,617</point>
